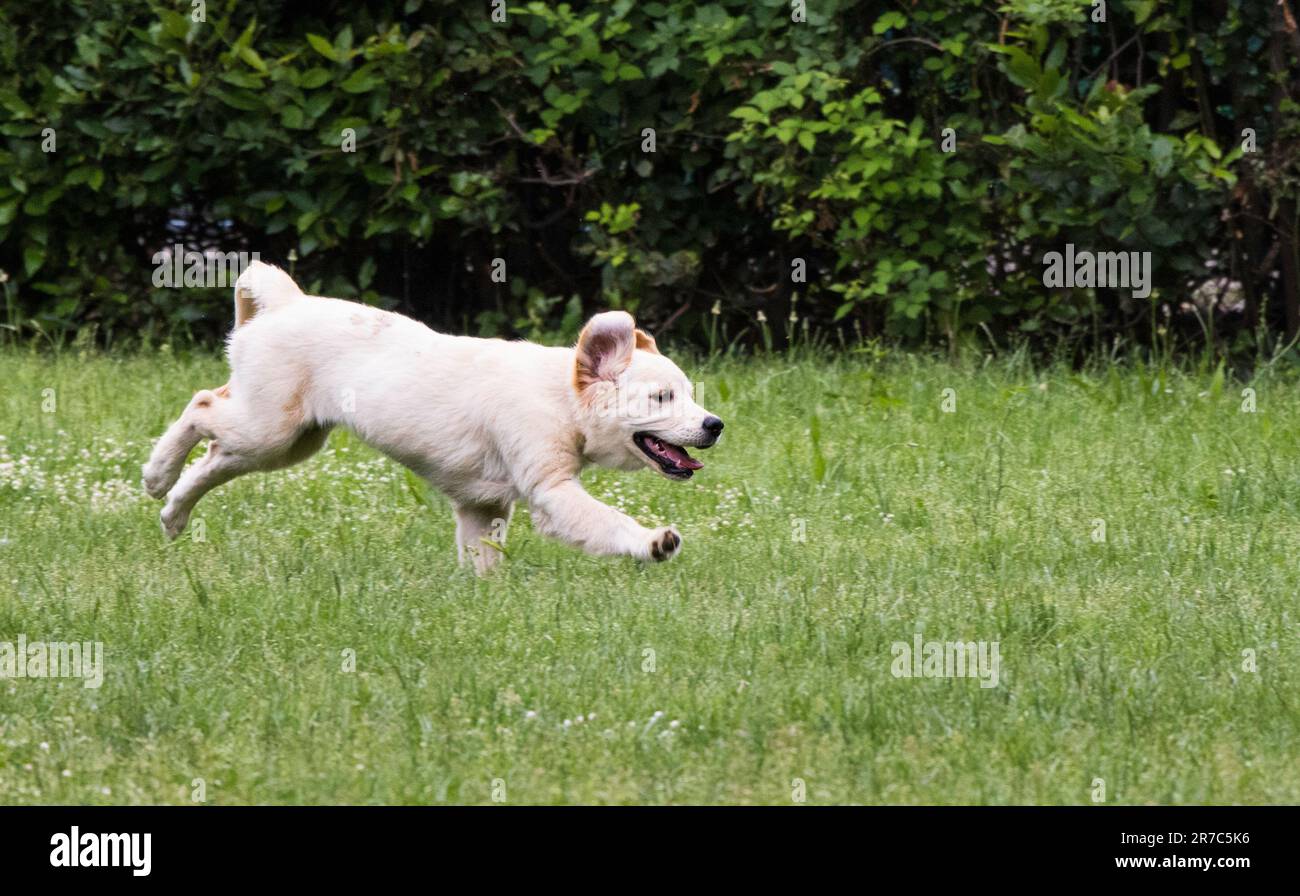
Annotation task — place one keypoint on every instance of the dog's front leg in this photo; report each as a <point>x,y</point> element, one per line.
<point>565,511</point>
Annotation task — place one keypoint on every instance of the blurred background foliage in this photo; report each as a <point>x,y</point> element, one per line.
<point>774,140</point>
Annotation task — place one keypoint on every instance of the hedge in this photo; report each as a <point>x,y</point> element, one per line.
<point>859,169</point>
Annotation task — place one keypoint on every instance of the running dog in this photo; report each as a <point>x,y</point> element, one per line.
<point>489,422</point>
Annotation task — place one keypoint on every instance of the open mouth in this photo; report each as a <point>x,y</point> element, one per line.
<point>672,459</point>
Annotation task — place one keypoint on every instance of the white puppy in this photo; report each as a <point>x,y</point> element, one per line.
<point>488,422</point>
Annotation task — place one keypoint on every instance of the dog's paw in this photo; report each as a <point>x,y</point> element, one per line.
<point>173,520</point>
<point>665,542</point>
<point>157,480</point>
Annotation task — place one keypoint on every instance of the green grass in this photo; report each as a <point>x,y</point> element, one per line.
<point>1120,660</point>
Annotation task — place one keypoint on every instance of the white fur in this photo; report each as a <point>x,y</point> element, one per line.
<point>486,421</point>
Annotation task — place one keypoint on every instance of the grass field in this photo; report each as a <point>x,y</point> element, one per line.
<point>754,659</point>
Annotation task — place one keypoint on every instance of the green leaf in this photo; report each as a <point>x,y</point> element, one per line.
<point>249,55</point>
<point>363,80</point>
<point>749,113</point>
<point>366,273</point>
<point>323,46</point>
<point>15,104</point>
<point>889,20</point>
<point>313,78</point>
<point>318,103</point>
<point>175,24</point>
<point>1021,68</point>
<point>239,99</point>
<point>242,79</point>
<point>33,258</point>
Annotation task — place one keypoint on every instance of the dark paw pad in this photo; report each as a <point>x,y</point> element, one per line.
<point>665,545</point>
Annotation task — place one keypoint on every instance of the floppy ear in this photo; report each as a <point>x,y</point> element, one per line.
<point>646,343</point>
<point>604,348</point>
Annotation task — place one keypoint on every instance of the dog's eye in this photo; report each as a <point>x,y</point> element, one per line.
<point>663,396</point>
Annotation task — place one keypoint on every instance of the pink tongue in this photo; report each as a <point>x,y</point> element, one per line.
<point>678,456</point>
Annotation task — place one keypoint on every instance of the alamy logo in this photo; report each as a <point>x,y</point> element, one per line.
<point>947,659</point>
<point>177,266</point>
<point>53,659</point>
<point>78,850</point>
<point>1115,270</point>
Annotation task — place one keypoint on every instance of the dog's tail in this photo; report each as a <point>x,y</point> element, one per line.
<point>262,287</point>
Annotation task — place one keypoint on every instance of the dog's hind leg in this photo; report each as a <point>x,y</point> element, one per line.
<point>168,456</point>
<point>243,440</point>
<point>205,474</point>
<point>476,526</point>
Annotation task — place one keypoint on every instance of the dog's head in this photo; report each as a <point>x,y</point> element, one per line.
<point>635,406</point>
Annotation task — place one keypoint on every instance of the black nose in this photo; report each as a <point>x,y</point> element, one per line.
<point>712,425</point>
